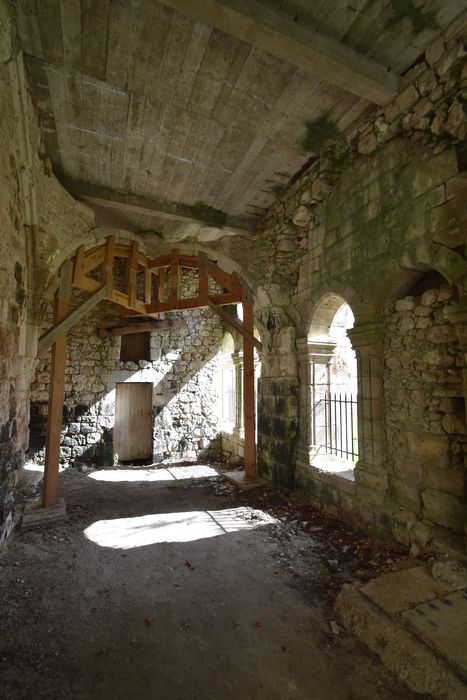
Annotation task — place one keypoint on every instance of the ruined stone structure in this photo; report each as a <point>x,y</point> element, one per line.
<point>372,214</point>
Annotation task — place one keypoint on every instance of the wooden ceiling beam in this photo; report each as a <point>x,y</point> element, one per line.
<point>159,209</point>
<point>276,33</point>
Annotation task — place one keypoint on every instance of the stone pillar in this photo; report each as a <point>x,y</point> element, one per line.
<point>370,472</point>
<point>314,360</point>
<point>457,314</point>
<point>237,359</point>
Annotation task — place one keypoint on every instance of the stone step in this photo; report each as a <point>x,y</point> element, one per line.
<point>415,620</point>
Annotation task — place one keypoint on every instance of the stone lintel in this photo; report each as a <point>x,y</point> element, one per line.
<point>366,335</point>
<point>318,351</point>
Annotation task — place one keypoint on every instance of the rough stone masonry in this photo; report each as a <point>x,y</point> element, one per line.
<point>378,212</point>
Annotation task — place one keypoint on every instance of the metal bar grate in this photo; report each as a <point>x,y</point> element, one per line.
<point>339,436</point>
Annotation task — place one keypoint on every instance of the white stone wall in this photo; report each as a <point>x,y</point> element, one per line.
<point>184,371</point>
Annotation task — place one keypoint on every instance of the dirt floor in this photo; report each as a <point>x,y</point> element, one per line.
<point>177,589</point>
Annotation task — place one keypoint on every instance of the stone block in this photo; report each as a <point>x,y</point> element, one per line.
<point>444,509</point>
<point>420,534</point>
<point>301,217</point>
<point>442,334</point>
<point>405,304</point>
<point>435,51</point>
<point>409,471</point>
<point>406,495</point>
<point>429,448</point>
<point>445,479</point>
<point>454,424</point>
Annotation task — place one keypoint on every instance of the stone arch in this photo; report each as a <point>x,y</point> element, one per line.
<point>317,366</point>
<point>323,315</point>
<point>316,312</point>
<point>398,278</point>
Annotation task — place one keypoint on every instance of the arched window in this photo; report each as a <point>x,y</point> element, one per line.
<point>227,384</point>
<point>333,396</point>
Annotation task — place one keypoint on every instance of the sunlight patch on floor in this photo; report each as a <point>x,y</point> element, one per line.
<point>198,471</point>
<point>128,533</point>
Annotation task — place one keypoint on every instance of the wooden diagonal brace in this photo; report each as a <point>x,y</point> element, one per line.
<point>76,315</point>
<point>231,322</point>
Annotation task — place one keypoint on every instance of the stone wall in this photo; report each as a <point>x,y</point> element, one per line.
<point>16,343</point>
<point>377,207</point>
<point>382,200</point>
<point>425,414</point>
<point>183,369</point>
<point>35,212</point>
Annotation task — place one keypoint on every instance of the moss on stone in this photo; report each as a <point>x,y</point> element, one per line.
<point>208,214</point>
<point>319,133</point>
<point>20,293</point>
<point>420,20</point>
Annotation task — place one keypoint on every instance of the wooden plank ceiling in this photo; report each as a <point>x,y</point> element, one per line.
<point>137,100</point>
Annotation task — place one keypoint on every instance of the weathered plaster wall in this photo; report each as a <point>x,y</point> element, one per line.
<point>374,211</point>
<point>184,371</point>
<point>37,220</point>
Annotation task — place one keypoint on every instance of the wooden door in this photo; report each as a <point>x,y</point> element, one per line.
<point>133,421</point>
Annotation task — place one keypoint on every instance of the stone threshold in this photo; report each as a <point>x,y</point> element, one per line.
<point>35,516</point>
<point>244,483</point>
<point>415,620</point>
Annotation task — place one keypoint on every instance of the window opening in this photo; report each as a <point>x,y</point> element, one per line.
<point>334,380</point>
<point>135,347</point>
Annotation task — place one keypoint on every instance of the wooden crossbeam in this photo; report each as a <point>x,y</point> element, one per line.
<point>162,261</point>
<point>121,299</point>
<point>234,324</point>
<point>192,303</point>
<point>275,32</point>
<point>63,324</point>
<point>143,327</point>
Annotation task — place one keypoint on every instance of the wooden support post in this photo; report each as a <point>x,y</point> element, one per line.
<point>147,286</point>
<point>78,266</point>
<point>133,271</point>
<point>249,385</point>
<point>175,278</point>
<point>109,265</point>
<point>161,285</point>
<point>56,392</point>
<point>203,276</point>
